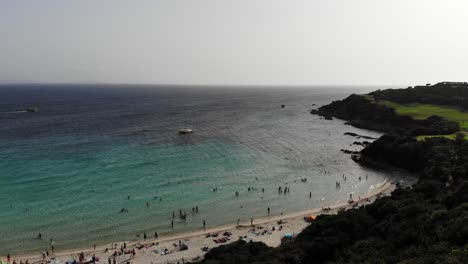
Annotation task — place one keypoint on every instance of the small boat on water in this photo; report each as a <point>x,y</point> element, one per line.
<point>185,130</point>
<point>32,109</point>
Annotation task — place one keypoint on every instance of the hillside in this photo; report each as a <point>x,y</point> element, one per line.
<point>423,111</point>
<point>445,93</point>
<point>424,224</point>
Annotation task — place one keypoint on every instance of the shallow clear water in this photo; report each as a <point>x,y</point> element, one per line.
<point>67,170</point>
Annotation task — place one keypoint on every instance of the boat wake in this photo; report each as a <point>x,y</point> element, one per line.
<point>14,112</point>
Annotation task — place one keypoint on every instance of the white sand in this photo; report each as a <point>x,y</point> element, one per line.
<point>196,240</point>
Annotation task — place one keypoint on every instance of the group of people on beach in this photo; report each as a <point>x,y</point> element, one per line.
<point>183,215</point>
<point>249,189</point>
<point>285,190</point>
<point>14,261</point>
<point>338,184</point>
<point>195,210</point>
<point>281,190</point>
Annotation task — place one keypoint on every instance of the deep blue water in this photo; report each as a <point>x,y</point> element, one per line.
<point>67,170</point>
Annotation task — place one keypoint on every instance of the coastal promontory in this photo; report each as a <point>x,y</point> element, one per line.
<point>425,223</point>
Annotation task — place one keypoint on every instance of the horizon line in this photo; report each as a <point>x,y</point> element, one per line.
<point>193,85</point>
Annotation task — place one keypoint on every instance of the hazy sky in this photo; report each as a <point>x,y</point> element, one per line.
<point>261,42</point>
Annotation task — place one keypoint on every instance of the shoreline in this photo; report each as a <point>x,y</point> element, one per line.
<point>294,223</point>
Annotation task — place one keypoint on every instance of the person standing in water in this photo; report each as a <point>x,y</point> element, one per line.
<point>268,210</point>
<point>204,224</point>
<point>144,236</point>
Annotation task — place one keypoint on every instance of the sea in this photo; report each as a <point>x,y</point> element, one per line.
<point>90,151</point>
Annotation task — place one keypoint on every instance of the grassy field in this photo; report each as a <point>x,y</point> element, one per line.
<point>423,111</point>
<point>451,136</point>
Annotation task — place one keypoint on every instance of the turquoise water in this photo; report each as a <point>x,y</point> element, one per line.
<point>70,195</point>
<point>66,173</point>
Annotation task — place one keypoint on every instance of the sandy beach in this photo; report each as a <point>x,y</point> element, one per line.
<point>191,246</point>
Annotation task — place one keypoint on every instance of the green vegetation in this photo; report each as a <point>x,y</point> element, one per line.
<point>445,94</point>
<point>368,97</point>
<point>364,112</point>
<point>448,100</point>
<point>451,136</point>
<point>423,111</point>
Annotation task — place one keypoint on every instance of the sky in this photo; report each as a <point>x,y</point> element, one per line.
<point>236,42</point>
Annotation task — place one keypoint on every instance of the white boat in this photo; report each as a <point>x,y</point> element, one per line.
<point>32,109</point>
<point>185,130</point>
